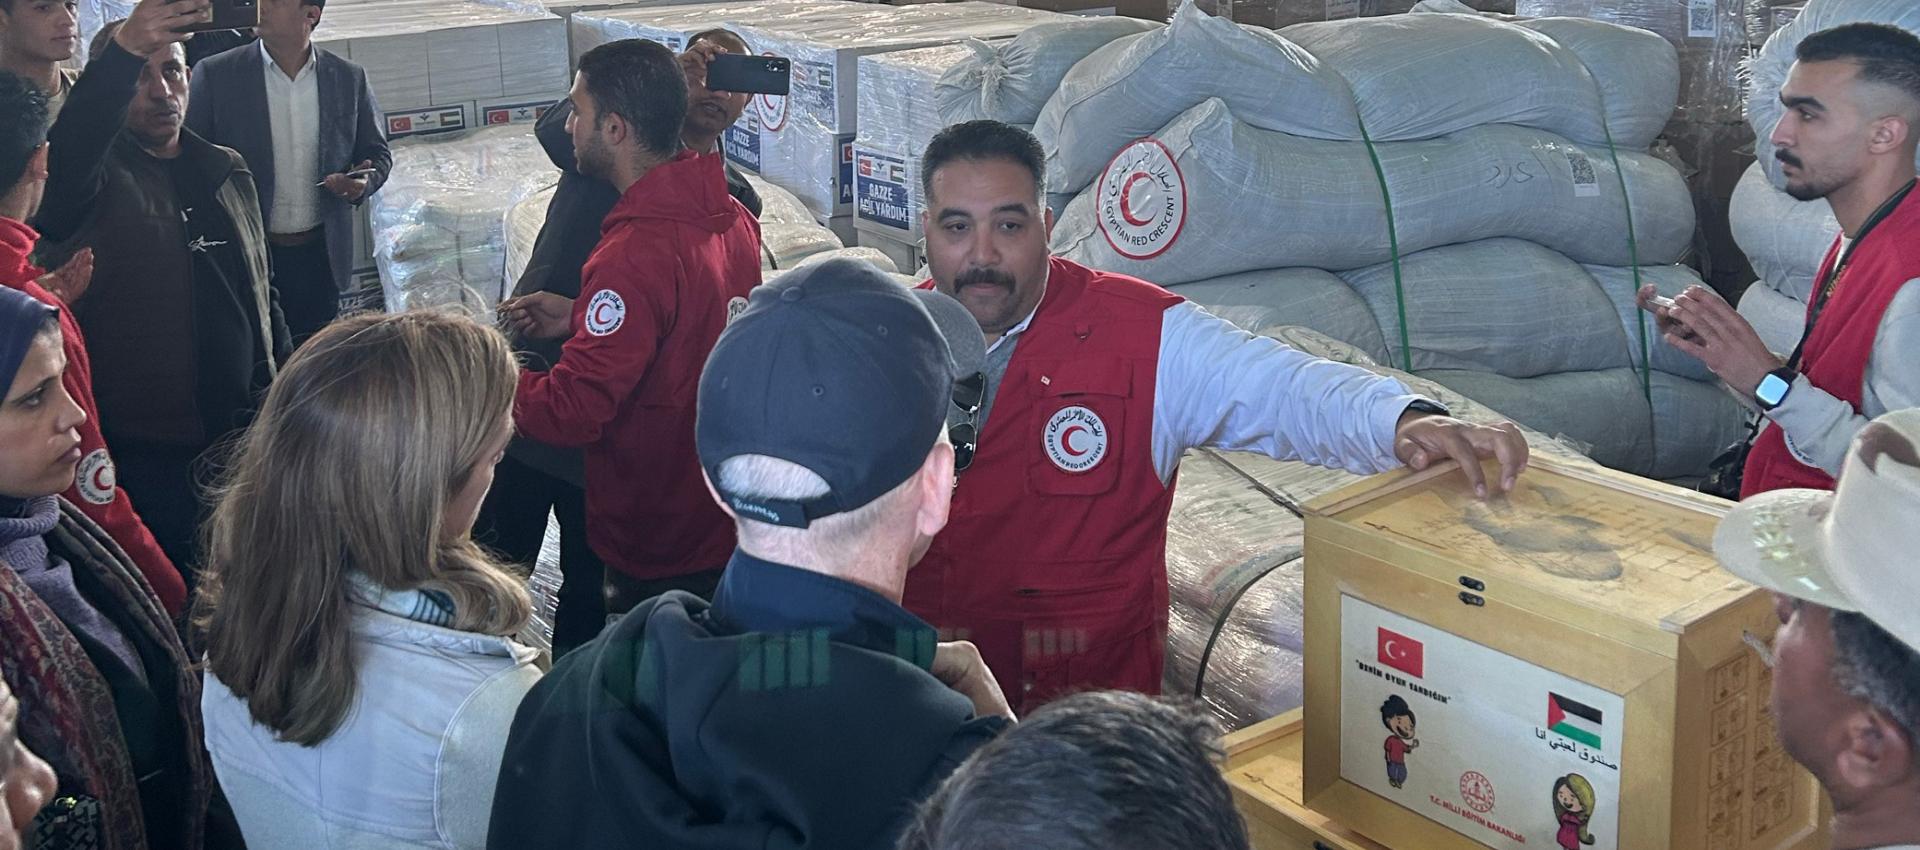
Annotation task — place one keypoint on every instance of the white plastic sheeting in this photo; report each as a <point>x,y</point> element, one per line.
<point>438,223</point>
<point>1777,317</point>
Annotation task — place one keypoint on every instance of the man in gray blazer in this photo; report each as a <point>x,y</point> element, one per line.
<point>309,129</point>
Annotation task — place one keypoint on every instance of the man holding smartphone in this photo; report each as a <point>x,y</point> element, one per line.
<point>182,325</point>
<point>1848,135</point>
<point>676,258</point>
<point>537,478</point>
<point>306,122</point>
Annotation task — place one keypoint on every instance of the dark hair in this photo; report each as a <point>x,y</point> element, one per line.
<point>1886,54</point>
<point>725,37</point>
<point>1396,706</point>
<point>23,127</point>
<point>1095,771</point>
<point>321,3</point>
<point>1877,667</point>
<point>641,82</point>
<point>978,141</point>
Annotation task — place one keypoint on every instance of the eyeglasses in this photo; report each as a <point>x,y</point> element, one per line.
<point>967,394</point>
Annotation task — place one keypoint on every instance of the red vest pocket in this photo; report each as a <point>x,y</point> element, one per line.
<point>1077,407</point>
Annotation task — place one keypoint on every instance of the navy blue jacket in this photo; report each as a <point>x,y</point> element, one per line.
<point>796,711</point>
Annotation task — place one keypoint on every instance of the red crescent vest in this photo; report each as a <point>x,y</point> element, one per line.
<point>1054,558</point>
<point>1836,354</point>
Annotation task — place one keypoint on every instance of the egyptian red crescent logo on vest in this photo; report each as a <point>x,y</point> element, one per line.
<point>606,312</point>
<point>1075,439</point>
<point>95,479</point>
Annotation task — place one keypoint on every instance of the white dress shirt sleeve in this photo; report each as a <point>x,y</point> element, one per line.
<point>1819,427</point>
<point>1221,387</point>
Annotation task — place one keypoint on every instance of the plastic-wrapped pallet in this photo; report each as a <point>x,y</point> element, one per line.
<point>1010,81</point>
<point>788,231</point>
<point>438,223</point>
<point>1176,207</point>
<point>806,138</point>
<point>1768,68</point>
<point>1711,36</point>
<point>789,235</point>
<point>1785,239</point>
<point>672,24</point>
<point>896,89</point>
<point>442,53</point>
<point>1416,77</point>
<point>1233,560</point>
<point>521,228</point>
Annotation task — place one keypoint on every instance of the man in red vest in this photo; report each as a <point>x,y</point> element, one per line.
<point>1848,135</point>
<point>1054,561</point>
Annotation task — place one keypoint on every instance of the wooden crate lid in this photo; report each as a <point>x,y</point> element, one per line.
<point>1612,543</point>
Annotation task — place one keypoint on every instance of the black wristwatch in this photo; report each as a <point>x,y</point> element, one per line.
<point>1423,406</point>
<point>1773,388</point>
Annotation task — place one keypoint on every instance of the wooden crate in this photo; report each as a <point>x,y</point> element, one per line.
<point>1579,627</point>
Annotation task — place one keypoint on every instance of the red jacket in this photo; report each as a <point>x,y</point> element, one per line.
<point>675,255</point>
<point>94,491</point>
<point>1053,560</point>
<point>1836,353</point>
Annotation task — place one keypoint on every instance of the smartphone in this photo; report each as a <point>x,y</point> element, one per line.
<point>733,72</point>
<point>230,15</point>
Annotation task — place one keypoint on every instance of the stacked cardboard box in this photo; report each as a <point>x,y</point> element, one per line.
<point>806,138</point>
<point>897,120</point>
<point>443,65</point>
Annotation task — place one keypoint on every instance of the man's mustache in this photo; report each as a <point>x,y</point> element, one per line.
<point>1782,155</point>
<point>995,277</point>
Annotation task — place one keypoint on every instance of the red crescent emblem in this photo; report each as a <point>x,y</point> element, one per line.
<point>1066,440</point>
<point>97,479</point>
<point>600,312</point>
<point>1126,201</point>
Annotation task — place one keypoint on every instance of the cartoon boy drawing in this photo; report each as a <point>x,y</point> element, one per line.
<point>1398,718</point>
<point>1573,805</point>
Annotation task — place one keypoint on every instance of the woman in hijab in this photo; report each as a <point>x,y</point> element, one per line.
<point>107,696</point>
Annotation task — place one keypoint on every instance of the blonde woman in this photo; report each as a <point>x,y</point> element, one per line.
<point>360,680</point>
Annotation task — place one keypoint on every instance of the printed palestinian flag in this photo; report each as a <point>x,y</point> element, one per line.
<point>1573,720</point>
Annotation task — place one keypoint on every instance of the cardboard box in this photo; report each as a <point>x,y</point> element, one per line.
<point>1579,628</point>
<point>908,257</point>
<point>424,53</point>
<point>886,194</point>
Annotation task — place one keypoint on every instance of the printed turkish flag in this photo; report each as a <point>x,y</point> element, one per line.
<point>1403,653</point>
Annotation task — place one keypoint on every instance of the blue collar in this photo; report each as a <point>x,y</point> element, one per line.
<point>761,596</point>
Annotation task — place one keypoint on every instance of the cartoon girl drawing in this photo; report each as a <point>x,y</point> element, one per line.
<point>1573,805</point>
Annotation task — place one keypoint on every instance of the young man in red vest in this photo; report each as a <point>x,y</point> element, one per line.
<point>676,255</point>
<point>1096,384</point>
<point>1848,135</point>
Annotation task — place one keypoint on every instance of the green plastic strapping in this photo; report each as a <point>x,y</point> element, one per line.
<point>1633,256</point>
<point>1393,243</point>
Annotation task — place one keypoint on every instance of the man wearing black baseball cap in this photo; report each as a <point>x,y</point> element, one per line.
<point>804,707</point>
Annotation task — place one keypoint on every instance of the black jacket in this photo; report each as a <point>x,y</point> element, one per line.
<point>785,715</point>
<point>182,324</point>
<point>568,236</point>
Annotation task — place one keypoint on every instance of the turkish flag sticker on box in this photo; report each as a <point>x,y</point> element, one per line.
<point>1403,653</point>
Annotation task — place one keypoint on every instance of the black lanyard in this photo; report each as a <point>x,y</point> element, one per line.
<point>1823,288</point>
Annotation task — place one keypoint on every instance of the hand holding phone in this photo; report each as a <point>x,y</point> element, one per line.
<point>741,74</point>
<point>1661,307</point>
